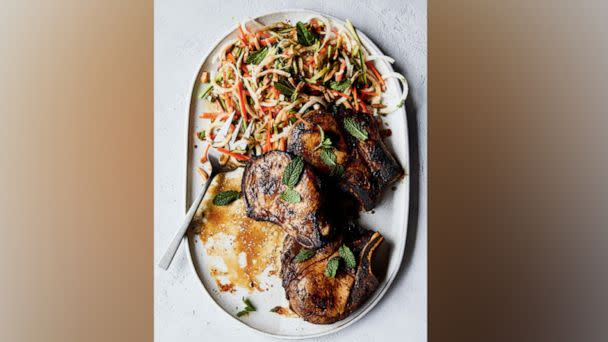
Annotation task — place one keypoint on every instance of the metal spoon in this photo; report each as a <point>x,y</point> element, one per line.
<point>216,168</point>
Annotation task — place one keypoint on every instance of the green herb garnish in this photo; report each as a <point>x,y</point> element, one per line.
<point>248,308</point>
<point>348,256</point>
<point>305,37</point>
<point>226,197</point>
<point>355,129</point>
<point>257,56</point>
<point>293,171</point>
<point>332,267</point>
<point>304,255</point>
<point>340,86</point>
<point>328,157</point>
<point>291,196</point>
<point>201,135</point>
<point>285,88</point>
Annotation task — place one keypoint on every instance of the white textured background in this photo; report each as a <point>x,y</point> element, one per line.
<point>183,33</point>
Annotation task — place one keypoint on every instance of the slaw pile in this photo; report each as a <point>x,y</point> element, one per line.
<point>272,75</point>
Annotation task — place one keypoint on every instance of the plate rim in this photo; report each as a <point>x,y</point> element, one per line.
<point>379,294</point>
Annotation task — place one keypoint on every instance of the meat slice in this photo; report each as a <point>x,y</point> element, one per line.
<point>357,180</point>
<point>305,138</point>
<point>262,187</point>
<point>321,299</point>
<point>382,164</point>
<point>368,166</point>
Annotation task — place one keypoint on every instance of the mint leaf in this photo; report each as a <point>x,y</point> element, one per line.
<point>304,255</point>
<point>242,313</point>
<point>285,88</point>
<point>305,37</point>
<point>249,306</point>
<point>293,171</point>
<point>328,157</point>
<point>332,267</point>
<point>340,86</point>
<point>257,56</point>
<point>226,197</point>
<point>355,129</point>
<point>348,256</point>
<point>291,196</point>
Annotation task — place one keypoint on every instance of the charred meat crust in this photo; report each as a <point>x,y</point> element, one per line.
<point>369,167</point>
<point>305,137</point>
<point>322,300</point>
<point>382,164</point>
<point>357,180</point>
<point>262,187</point>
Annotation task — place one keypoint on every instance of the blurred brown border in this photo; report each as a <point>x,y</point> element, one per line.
<point>517,190</point>
<point>76,99</point>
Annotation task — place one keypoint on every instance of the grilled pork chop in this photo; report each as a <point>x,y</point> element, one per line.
<point>382,164</point>
<point>357,180</point>
<point>262,187</point>
<point>321,299</point>
<point>368,165</point>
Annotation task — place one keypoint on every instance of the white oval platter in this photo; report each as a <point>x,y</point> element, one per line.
<point>389,217</point>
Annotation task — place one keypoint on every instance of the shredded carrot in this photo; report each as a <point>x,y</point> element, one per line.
<point>371,66</point>
<point>220,115</point>
<point>335,92</point>
<point>274,91</point>
<point>282,144</point>
<point>236,156</point>
<point>340,73</point>
<point>369,93</point>
<point>229,102</point>
<point>364,107</point>
<point>262,34</point>
<point>239,88</point>
<point>205,152</point>
<point>323,51</point>
<point>269,41</point>
<point>242,36</point>
<point>355,98</point>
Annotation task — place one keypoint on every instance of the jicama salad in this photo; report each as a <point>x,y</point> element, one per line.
<point>272,75</point>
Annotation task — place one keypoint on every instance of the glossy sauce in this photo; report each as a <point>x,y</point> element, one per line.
<point>249,247</point>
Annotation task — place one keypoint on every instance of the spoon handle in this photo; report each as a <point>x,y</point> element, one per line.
<point>179,235</point>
